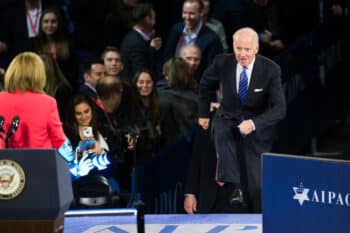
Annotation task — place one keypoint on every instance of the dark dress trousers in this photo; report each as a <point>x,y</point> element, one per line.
<point>201,171</point>
<point>239,156</point>
<point>200,178</point>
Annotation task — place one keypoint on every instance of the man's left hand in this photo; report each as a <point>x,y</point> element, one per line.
<point>245,127</point>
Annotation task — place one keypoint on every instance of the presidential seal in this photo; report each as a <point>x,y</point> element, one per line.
<point>12,179</point>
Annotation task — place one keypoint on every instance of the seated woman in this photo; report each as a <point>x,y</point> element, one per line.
<point>148,143</point>
<point>178,103</point>
<point>82,129</point>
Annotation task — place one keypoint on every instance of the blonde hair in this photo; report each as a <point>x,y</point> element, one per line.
<point>26,73</point>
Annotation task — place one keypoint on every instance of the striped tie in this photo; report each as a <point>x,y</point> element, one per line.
<point>243,85</point>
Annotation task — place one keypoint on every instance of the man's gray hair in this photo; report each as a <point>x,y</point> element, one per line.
<point>246,31</point>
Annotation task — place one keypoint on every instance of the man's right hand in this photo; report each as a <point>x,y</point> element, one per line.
<point>190,204</point>
<point>204,123</point>
<point>3,47</point>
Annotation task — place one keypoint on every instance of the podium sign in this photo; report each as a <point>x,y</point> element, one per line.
<point>303,194</point>
<point>35,188</point>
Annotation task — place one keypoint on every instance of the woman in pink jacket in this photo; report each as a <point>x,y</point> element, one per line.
<point>29,118</point>
<point>39,125</point>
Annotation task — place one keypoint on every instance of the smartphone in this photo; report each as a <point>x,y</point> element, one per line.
<point>86,133</point>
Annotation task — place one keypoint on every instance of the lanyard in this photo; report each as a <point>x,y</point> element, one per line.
<point>99,104</point>
<point>34,25</point>
<point>54,52</point>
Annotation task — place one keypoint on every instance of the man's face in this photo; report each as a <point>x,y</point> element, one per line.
<point>113,63</point>
<point>191,15</point>
<point>96,73</point>
<point>192,57</point>
<point>245,49</point>
<point>151,20</point>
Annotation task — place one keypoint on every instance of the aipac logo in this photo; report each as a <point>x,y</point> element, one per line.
<point>327,197</point>
<point>301,194</point>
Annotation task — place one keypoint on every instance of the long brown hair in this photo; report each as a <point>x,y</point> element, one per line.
<point>54,76</point>
<point>152,99</point>
<point>71,127</point>
<point>61,43</point>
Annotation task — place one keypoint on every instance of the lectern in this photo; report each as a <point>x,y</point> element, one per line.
<point>35,191</point>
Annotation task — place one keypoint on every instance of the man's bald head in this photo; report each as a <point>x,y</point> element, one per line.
<point>192,55</point>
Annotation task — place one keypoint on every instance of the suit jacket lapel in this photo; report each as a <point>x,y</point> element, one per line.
<point>254,79</point>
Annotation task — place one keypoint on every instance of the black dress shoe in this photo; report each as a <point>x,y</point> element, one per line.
<point>236,197</point>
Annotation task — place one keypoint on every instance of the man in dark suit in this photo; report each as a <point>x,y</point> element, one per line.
<point>193,31</point>
<point>138,48</point>
<point>243,126</point>
<point>94,70</point>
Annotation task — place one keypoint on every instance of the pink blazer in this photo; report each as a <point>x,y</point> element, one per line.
<point>40,125</point>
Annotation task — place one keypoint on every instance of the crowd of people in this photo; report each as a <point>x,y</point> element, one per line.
<point>112,76</point>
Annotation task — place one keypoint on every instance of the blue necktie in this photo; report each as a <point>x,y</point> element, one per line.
<point>243,86</point>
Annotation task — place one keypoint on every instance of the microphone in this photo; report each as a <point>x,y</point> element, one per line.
<point>13,127</point>
<point>2,122</point>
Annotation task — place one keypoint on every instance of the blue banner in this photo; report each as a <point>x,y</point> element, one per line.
<point>303,194</point>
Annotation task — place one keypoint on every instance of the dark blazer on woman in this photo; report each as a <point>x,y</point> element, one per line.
<point>178,113</point>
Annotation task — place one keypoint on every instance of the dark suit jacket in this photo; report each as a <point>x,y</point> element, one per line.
<point>265,103</point>
<point>207,40</point>
<point>136,54</point>
<point>86,90</point>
